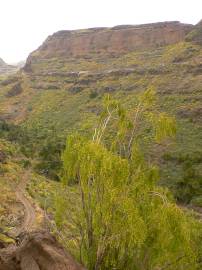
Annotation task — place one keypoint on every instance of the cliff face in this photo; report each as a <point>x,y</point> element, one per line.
<point>116,40</point>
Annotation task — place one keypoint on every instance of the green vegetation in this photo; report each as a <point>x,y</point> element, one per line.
<point>63,96</point>
<point>122,216</point>
<point>5,239</point>
<point>190,184</point>
<point>10,171</point>
<point>44,151</point>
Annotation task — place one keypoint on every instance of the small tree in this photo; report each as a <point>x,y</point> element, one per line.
<point>122,219</point>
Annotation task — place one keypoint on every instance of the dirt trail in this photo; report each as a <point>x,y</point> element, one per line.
<point>196,210</point>
<point>29,209</point>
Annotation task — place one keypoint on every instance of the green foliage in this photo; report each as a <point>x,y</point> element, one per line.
<point>46,150</point>
<point>12,132</point>
<point>190,184</point>
<point>10,172</point>
<point>164,126</point>
<point>6,240</point>
<point>195,34</point>
<point>197,201</point>
<point>174,70</point>
<point>93,94</point>
<point>122,216</point>
<point>49,154</point>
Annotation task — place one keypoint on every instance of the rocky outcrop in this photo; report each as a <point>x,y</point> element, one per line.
<point>110,41</point>
<point>37,250</point>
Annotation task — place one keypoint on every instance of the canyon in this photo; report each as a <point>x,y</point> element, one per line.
<point>60,91</point>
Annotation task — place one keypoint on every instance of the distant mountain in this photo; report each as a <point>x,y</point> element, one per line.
<point>19,64</point>
<point>6,69</point>
<point>2,63</point>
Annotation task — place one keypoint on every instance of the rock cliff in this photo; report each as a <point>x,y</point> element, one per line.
<point>115,40</point>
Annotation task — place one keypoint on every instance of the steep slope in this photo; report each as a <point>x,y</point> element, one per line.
<point>61,87</point>
<point>17,212</point>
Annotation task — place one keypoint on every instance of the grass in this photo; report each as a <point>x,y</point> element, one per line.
<point>5,239</point>
<point>9,178</point>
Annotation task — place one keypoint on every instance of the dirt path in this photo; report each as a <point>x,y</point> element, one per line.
<point>29,209</point>
<point>196,210</point>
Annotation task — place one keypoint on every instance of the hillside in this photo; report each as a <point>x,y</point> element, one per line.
<point>63,81</point>
<point>60,90</point>
<point>195,34</point>
<point>62,84</point>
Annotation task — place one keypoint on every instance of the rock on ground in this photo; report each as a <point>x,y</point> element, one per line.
<point>37,251</point>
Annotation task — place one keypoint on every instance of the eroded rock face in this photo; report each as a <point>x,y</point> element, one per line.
<point>37,251</point>
<point>116,40</point>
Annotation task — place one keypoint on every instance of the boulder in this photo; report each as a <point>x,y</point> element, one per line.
<point>37,250</point>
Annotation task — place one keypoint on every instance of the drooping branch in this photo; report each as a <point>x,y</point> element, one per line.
<point>131,140</point>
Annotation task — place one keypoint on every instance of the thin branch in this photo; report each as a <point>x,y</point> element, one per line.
<point>138,111</point>
<point>164,199</point>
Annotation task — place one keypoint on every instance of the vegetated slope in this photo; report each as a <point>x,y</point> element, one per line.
<point>17,213</point>
<point>63,82</point>
<point>22,232</point>
<point>11,169</point>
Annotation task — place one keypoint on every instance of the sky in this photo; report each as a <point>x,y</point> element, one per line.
<point>25,24</point>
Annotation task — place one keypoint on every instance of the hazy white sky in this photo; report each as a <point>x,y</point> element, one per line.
<point>25,24</point>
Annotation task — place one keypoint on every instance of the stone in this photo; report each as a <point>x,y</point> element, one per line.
<point>108,41</point>
<point>37,250</point>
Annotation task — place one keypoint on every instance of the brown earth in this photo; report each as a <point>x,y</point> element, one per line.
<point>2,156</point>
<point>33,250</point>
<point>29,218</point>
<point>37,251</point>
